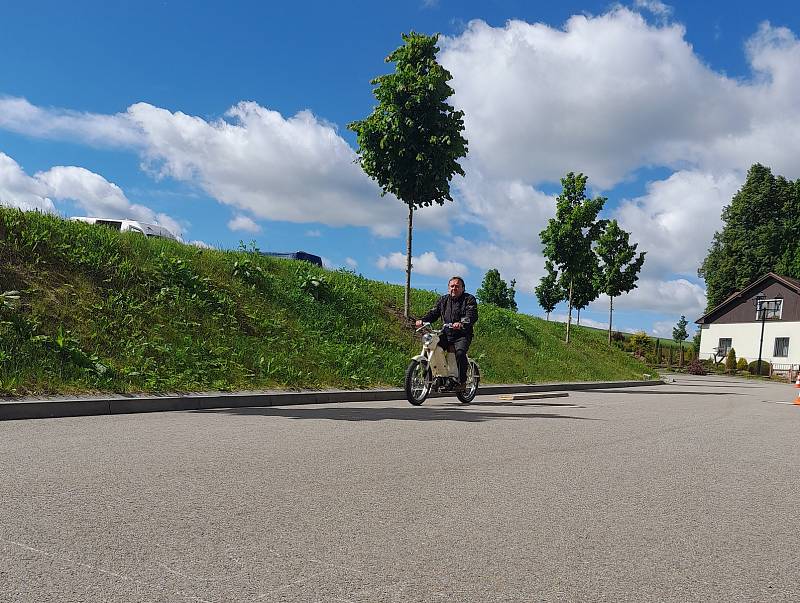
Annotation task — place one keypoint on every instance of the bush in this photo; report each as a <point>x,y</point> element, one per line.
<point>617,336</point>
<point>753,367</point>
<point>741,364</point>
<point>730,361</point>
<point>640,343</point>
<point>696,367</point>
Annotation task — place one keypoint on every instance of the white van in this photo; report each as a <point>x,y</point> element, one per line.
<point>149,230</point>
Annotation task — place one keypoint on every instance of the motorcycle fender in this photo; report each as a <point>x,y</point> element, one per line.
<point>420,357</point>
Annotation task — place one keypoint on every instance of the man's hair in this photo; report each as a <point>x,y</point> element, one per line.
<point>459,279</point>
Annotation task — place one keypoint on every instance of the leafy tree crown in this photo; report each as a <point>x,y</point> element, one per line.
<point>549,292</point>
<point>761,233</point>
<point>679,333</point>
<point>412,141</point>
<point>620,266</point>
<point>494,290</point>
<point>568,238</point>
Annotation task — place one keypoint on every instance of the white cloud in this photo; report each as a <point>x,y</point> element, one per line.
<point>297,169</point>
<point>663,328</point>
<point>658,8</point>
<point>17,189</point>
<point>243,224</point>
<point>19,115</point>
<point>606,95</point>
<point>676,220</point>
<point>351,263</point>
<point>201,244</point>
<point>427,264</point>
<point>313,233</point>
<point>676,297</point>
<point>99,197</point>
<point>526,267</point>
<point>92,192</point>
<point>511,210</point>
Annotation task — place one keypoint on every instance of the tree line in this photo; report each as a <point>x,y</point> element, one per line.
<point>586,256</point>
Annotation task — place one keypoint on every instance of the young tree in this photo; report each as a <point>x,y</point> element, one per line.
<point>494,290</point>
<point>730,361</point>
<point>619,265</point>
<point>411,142</point>
<point>568,238</point>
<point>549,292</point>
<point>585,287</point>
<point>680,334</point>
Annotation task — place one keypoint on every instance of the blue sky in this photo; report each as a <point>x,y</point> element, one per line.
<point>227,121</point>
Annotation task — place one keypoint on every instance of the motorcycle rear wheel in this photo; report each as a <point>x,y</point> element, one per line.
<point>473,379</point>
<point>418,382</point>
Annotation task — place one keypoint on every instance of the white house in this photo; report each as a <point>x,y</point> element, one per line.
<point>737,322</point>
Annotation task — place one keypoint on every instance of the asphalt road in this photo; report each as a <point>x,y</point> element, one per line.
<point>683,492</point>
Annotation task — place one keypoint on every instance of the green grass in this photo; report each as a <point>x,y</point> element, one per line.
<point>106,311</point>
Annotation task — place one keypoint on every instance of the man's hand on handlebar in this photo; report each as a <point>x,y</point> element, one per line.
<point>455,325</point>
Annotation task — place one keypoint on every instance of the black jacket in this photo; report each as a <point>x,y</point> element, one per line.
<point>463,309</point>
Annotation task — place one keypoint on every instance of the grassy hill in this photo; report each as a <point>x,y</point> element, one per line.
<point>106,311</point>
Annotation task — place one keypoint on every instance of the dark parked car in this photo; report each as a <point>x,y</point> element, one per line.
<point>297,255</point>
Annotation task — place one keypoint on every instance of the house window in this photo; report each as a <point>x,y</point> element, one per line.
<point>772,309</point>
<point>781,347</point>
<point>724,346</point>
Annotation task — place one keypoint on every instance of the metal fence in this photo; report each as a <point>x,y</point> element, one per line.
<point>788,371</point>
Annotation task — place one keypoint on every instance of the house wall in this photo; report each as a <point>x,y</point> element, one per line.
<point>745,338</point>
<point>743,310</point>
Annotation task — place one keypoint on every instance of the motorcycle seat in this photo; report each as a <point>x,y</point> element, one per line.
<point>451,348</point>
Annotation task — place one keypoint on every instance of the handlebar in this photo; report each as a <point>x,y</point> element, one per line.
<point>427,325</point>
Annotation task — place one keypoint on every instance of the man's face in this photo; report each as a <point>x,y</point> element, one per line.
<point>455,288</point>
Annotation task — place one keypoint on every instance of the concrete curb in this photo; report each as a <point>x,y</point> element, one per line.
<point>45,409</point>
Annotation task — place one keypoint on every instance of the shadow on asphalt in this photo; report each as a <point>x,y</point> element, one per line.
<point>420,413</point>
<point>732,381</point>
<point>729,385</point>
<point>516,403</point>
<point>664,393</point>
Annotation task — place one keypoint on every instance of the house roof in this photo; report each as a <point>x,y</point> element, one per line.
<point>791,283</point>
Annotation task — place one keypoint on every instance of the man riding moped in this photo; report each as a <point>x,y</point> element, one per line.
<point>460,310</point>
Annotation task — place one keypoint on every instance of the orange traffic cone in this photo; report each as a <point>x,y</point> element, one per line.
<point>797,387</point>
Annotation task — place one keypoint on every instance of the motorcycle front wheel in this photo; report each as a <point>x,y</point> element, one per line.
<point>418,382</point>
<point>473,379</point>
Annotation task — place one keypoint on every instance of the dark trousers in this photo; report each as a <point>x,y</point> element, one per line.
<point>460,341</point>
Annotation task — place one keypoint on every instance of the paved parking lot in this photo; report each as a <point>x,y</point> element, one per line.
<point>684,492</point>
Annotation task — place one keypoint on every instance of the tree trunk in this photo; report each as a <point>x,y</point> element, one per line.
<point>579,316</point>
<point>548,317</point>
<point>610,315</point>
<point>680,355</point>
<point>407,295</point>
<point>569,313</point>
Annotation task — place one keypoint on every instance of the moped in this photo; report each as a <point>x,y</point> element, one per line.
<point>433,370</point>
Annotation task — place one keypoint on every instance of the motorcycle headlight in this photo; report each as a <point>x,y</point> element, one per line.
<point>427,338</point>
